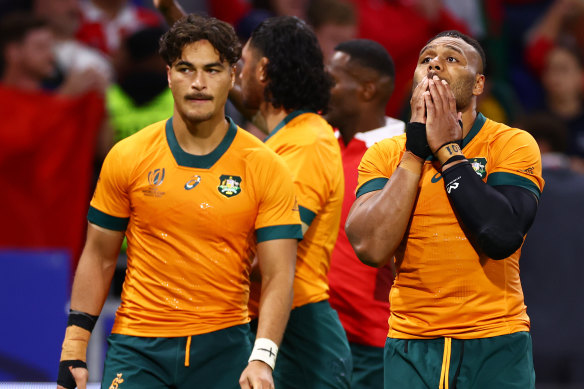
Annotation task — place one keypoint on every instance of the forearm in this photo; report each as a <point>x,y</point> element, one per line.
<point>171,12</point>
<point>496,220</point>
<point>275,305</point>
<point>376,225</point>
<point>95,270</point>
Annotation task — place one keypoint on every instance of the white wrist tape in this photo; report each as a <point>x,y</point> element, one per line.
<point>264,350</point>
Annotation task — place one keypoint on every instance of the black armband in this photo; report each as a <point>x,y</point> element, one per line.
<point>82,319</point>
<point>65,378</point>
<point>497,219</point>
<point>416,140</point>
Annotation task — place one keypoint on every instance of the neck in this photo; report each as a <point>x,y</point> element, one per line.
<point>468,118</point>
<point>366,120</point>
<point>18,80</point>
<point>199,138</point>
<point>565,107</point>
<point>272,115</point>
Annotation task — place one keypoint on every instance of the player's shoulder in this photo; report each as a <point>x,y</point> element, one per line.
<point>253,150</point>
<point>500,134</point>
<point>147,138</point>
<point>310,128</point>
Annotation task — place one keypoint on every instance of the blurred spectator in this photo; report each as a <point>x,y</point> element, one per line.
<point>563,82</point>
<point>77,65</point>
<point>105,23</point>
<point>141,95</point>
<point>402,27</point>
<point>47,143</point>
<point>333,21</point>
<point>363,72</point>
<point>552,269</point>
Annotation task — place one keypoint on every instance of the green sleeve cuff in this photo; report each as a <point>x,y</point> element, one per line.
<point>306,215</point>
<point>371,186</point>
<point>104,220</point>
<point>286,231</point>
<point>501,178</point>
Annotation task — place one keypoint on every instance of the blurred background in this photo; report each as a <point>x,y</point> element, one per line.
<point>79,75</point>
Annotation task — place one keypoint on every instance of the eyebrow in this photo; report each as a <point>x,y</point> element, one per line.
<point>206,66</point>
<point>454,48</point>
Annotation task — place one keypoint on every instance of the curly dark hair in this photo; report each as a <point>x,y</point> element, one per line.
<point>296,75</point>
<point>193,28</point>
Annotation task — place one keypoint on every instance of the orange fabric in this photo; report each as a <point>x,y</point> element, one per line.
<point>443,287</point>
<point>190,240</point>
<point>308,146</point>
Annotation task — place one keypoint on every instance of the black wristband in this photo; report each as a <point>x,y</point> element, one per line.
<point>82,319</point>
<point>416,140</point>
<point>65,378</point>
<point>454,158</point>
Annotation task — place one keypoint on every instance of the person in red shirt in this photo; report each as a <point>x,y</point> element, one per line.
<point>364,76</point>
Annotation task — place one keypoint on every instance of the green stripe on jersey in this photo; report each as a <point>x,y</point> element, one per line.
<point>306,215</point>
<point>371,186</point>
<point>286,231</point>
<point>104,220</point>
<point>501,178</point>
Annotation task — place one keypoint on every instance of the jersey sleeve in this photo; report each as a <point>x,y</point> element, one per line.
<point>312,178</point>
<point>278,216</point>
<point>376,166</point>
<point>110,205</point>
<point>517,162</point>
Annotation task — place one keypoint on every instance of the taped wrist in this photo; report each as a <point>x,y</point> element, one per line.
<point>74,349</point>
<point>416,140</point>
<point>486,213</point>
<point>65,378</point>
<point>264,350</point>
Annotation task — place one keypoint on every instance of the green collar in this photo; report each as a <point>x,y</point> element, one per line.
<point>199,161</point>
<point>286,120</point>
<point>476,127</point>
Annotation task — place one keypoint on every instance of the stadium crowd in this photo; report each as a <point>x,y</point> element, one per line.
<point>319,83</point>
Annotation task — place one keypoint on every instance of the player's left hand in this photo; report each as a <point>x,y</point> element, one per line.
<point>257,375</point>
<point>442,120</point>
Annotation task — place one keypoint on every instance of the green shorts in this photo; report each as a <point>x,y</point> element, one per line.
<point>504,361</point>
<point>315,352</point>
<point>215,360</point>
<point>367,366</point>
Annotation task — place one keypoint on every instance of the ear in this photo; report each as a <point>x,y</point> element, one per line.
<point>262,70</point>
<point>479,85</point>
<point>368,90</point>
<point>168,76</point>
<point>233,74</point>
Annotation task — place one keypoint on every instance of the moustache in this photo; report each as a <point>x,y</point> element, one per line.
<point>198,96</point>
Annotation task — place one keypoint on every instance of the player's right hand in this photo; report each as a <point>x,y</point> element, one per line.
<point>257,375</point>
<point>73,377</point>
<point>417,103</point>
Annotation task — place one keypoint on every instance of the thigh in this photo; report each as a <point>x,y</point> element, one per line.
<point>216,360</point>
<point>499,362</point>
<point>137,362</point>
<point>367,367</point>
<point>412,363</point>
<point>315,352</point>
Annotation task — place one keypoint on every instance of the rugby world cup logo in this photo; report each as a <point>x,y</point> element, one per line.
<point>155,177</point>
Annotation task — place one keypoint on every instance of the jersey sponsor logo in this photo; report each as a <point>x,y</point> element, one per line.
<point>229,186</point>
<point>529,170</point>
<point>117,381</point>
<point>437,177</point>
<point>479,166</point>
<point>194,181</point>
<point>155,179</point>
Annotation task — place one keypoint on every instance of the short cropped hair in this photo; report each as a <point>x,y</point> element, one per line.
<point>14,28</point>
<point>338,12</point>
<point>193,28</point>
<point>296,75</point>
<point>471,41</point>
<point>369,54</point>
